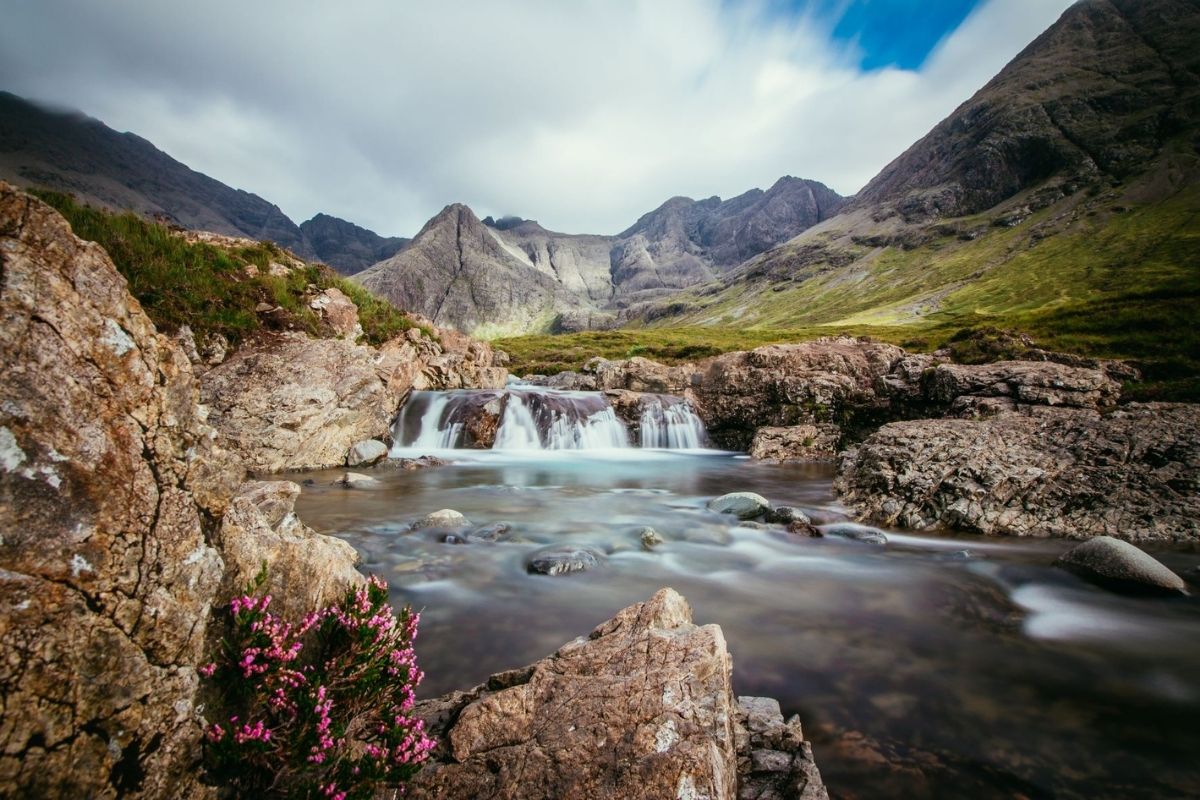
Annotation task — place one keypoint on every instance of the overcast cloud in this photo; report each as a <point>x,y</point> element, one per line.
<point>583,115</point>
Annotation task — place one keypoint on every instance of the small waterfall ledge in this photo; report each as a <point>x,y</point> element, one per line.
<point>520,418</point>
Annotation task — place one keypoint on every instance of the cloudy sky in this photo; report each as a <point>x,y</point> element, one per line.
<point>583,114</point>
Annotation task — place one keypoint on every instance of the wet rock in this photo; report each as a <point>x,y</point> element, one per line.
<point>1120,565</point>
<point>808,442</point>
<point>483,534</point>
<point>356,480</point>
<point>641,708</point>
<point>774,761</point>
<point>443,518</point>
<point>564,559</point>
<point>743,505</point>
<point>754,526</point>
<point>649,538</point>
<point>1129,473</point>
<point>366,453</point>
<point>856,533</point>
<point>802,527</point>
<point>783,515</point>
<point>421,463</point>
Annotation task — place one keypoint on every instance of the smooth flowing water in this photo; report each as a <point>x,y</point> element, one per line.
<point>919,670</point>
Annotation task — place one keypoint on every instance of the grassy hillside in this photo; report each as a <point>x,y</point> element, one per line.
<point>210,288</point>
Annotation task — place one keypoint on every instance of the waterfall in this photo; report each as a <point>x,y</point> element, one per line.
<point>529,418</point>
<point>671,423</point>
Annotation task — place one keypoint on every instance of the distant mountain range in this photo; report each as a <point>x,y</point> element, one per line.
<point>1064,190</point>
<point>71,152</point>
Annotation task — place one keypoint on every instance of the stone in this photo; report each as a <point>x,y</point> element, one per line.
<point>444,518</point>
<point>306,569</point>
<point>366,453</point>
<point>1131,473</point>
<point>564,559</point>
<point>641,708</point>
<point>107,573</point>
<point>356,480</point>
<point>649,538</point>
<point>338,312</point>
<point>422,462</point>
<point>784,515</point>
<point>1020,383</point>
<point>855,533</point>
<point>774,761</point>
<point>743,505</point>
<point>802,527</point>
<point>1118,564</point>
<point>808,442</point>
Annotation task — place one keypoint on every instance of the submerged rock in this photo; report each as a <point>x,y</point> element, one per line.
<point>802,527</point>
<point>366,453</point>
<point>356,480</point>
<point>1120,565</point>
<point>483,534</point>
<point>784,515</point>
<point>649,538</point>
<point>743,505</point>
<point>856,533</point>
<point>642,708</point>
<point>443,518</point>
<point>563,559</point>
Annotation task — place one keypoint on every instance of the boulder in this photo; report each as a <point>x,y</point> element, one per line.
<point>288,402</point>
<point>1119,565</point>
<point>743,505</point>
<point>564,559</point>
<point>1076,473</point>
<point>306,570</point>
<point>642,708</point>
<point>366,453</point>
<point>808,442</point>
<point>338,312</point>
<point>785,515</point>
<point>444,518</point>
<point>110,485</point>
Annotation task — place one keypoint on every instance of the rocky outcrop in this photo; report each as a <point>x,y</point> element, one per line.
<point>1005,385</point>
<point>642,708</point>
<point>306,570</point>
<point>812,442</point>
<point>288,402</point>
<point>1130,473</point>
<point>109,493</point>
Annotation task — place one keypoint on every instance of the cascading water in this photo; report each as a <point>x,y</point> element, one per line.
<point>671,423</point>
<point>525,418</point>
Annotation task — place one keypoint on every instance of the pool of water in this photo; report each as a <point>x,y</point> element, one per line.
<point>918,670</point>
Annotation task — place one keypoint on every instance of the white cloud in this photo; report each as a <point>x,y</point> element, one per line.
<point>582,114</point>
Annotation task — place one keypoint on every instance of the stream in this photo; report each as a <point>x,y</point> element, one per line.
<point>932,666</point>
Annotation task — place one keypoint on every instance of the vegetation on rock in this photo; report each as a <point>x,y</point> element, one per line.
<point>214,289</point>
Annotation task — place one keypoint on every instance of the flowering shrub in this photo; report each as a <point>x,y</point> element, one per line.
<point>317,709</point>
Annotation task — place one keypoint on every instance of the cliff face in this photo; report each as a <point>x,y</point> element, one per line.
<point>109,496</point>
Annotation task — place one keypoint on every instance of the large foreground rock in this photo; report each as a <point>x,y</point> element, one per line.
<point>643,708</point>
<point>108,486</point>
<point>1132,474</point>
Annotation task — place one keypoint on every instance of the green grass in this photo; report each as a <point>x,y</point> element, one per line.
<point>209,289</point>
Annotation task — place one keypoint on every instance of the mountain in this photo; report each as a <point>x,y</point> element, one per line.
<point>682,243</point>
<point>1063,198</point>
<point>70,152</point>
<point>457,270</point>
<point>347,247</point>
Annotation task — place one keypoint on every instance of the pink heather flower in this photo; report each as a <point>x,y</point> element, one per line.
<point>207,670</point>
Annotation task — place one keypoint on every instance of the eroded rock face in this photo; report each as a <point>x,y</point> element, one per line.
<point>307,570</point>
<point>338,312</point>
<point>1130,474</point>
<point>642,708</point>
<point>106,573</point>
<point>811,442</point>
<point>1004,385</point>
<point>291,402</point>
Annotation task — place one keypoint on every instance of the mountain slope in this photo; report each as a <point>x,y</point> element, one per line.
<point>1064,197</point>
<point>74,153</point>
<point>347,247</point>
<point>457,271</point>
